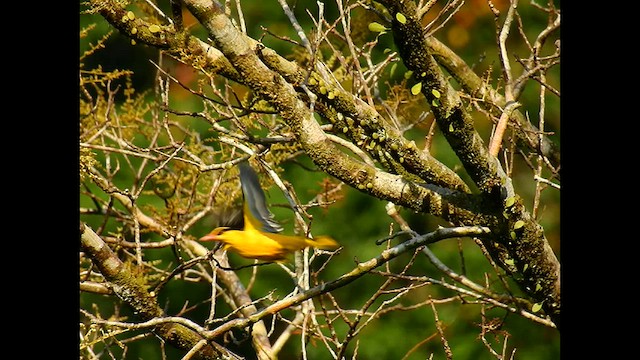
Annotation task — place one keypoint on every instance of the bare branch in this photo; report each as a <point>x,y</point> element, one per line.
<point>157,171</point>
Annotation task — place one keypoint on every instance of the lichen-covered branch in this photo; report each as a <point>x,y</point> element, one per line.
<point>530,253</point>
<point>454,206</point>
<point>454,121</point>
<point>472,83</point>
<point>133,292</point>
<point>169,172</point>
<point>230,279</point>
<point>358,116</point>
<point>520,245</point>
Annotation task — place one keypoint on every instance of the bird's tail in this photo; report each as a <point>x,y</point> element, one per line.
<point>323,242</point>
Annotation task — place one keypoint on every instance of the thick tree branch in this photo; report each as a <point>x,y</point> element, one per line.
<point>454,206</point>
<point>349,112</point>
<point>132,291</point>
<point>517,241</point>
<point>520,246</point>
<point>528,253</point>
<point>529,137</point>
<point>230,279</point>
<point>453,120</point>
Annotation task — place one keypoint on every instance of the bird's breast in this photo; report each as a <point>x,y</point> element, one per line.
<point>254,245</point>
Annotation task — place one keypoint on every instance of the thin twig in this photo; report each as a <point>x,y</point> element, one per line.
<point>511,104</point>
<point>296,25</point>
<point>445,343</point>
<point>360,270</point>
<point>498,134</point>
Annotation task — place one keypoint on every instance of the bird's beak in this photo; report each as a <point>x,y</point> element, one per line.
<point>214,235</point>
<point>209,237</point>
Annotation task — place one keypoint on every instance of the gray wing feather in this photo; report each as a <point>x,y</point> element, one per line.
<point>255,199</point>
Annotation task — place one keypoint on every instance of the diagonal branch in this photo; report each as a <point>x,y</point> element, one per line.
<point>192,51</point>
<point>452,118</point>
<point>360,270</point>
<point>517,241</point>
<point>453,206</point>
<point>519,245</point>
<point>526,133</point>
<point>238,293</point>
<point>128,288</point>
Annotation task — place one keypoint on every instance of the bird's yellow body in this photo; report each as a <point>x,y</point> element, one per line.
<point>253,243</point>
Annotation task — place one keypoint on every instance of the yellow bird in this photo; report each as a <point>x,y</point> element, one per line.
<point>259,238</point>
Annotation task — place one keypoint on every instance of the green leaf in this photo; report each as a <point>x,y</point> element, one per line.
<point>401,18</point>
<point>377,27</point>
<point>415,89</point>
<point>510,201</point>
<point>536,307</point>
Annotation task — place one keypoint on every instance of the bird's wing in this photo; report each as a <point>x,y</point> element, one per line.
<point>255,203</point>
